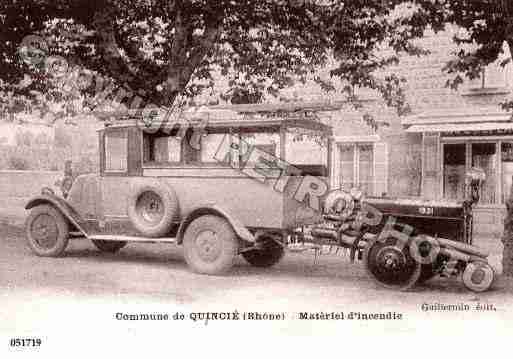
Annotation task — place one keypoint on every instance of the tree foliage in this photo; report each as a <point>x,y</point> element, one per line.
<point>161,51</point>
<point>486,25</point>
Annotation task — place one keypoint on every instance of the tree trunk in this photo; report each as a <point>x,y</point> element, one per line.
<point>507,237</point>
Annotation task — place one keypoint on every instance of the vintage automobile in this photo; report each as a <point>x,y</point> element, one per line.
<point>195,183</point>
<point>224,187</point>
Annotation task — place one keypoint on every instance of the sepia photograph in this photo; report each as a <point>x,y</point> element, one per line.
<point>256,177</point>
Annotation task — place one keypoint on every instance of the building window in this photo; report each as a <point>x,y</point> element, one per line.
<point>365,168</point>
<point>454,171</point>
<point>458,158</point>
<point>484,155</point>
<point>348,178</point>
<point>364,165</point>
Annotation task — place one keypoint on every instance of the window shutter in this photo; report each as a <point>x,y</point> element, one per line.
<point>380,168</point>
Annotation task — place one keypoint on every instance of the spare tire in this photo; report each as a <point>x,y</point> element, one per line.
<point>339,202</point>
<point>152,207</point>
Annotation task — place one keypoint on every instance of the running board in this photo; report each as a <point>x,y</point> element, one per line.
<point>106,237</point>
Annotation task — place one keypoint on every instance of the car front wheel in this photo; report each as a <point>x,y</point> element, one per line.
<point>47,231</point>
<point>210,245</point>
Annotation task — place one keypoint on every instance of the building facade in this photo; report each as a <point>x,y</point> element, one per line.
<point>427,153</point>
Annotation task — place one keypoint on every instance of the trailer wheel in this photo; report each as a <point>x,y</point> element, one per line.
<point>109,246</point>
<point>47,231</point>
<point>267,256</point>
<point>390,265</point>
<point>210,245</point>
<point>478,276</point>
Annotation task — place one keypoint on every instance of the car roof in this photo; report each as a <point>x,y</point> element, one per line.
<point>242,118</point>
<point>273,125</point>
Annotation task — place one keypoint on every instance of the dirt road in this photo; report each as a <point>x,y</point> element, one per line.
<point>86,287</point>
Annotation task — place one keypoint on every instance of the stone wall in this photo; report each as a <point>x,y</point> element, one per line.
<point>24,184</point>
<point>17,187</point>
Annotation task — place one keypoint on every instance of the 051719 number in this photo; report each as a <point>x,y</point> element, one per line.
<point>25,342</point>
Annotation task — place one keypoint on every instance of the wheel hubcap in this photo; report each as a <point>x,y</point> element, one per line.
<point>44,231</point>
<point>391,259</point>
<point>208,245</point>
<point>392,266</point>
<point>150,207</point>
<point>478,276</point>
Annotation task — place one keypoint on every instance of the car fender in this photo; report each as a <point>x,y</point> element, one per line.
<point>61,205</point>
<point>241,231</point>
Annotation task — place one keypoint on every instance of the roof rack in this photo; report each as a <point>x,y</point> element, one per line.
<point>238,125</point>
<point>243,109</point>
<point>244,117</point>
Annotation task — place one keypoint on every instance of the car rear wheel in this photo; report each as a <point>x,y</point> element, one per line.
<point>210,245</point>
<point>268,255</point>
<point>109,246</point>
<point>47,231</point>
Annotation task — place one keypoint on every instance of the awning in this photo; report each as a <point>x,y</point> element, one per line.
<point>458,115</point>
<point>461,127</point>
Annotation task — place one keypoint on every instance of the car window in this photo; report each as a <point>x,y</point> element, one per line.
<point>210,145</point>
<point>263,142</point>
<point>164,149</point>
<point>173,150</point>
<point>116,151</point>
<point>170,149</point>
<point>191,148</point>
